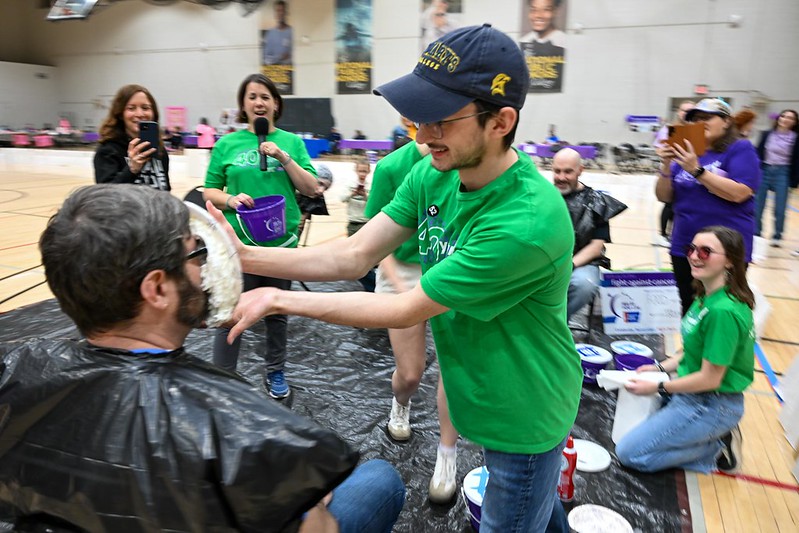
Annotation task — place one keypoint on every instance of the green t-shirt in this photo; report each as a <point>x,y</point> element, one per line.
<point>500,259</point>
<point>235,167</point>
<point>720,328</point>
<point>388,176</point>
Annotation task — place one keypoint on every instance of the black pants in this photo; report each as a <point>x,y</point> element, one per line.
<point>682,274</point>
<point>666,216</point>
<point>227,355</point>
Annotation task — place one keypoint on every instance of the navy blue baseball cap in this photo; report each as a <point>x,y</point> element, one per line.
<point>467,64</point>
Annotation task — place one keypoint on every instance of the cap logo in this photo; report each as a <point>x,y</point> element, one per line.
<point>498,84</point>
<point>439,55</point>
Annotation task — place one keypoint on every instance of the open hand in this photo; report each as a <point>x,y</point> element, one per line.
<point>252,307</point>
<point>686,157</point>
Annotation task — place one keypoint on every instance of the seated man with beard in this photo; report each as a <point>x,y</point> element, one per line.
<point>125,431</point>
<point>590,212</point>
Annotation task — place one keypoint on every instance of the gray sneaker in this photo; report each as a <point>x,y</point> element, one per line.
<point>399,422</point>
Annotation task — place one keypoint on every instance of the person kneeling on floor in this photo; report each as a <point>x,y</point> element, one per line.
<point>697,428</point>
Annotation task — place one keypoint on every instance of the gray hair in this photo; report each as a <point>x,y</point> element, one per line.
<point>100,245</point>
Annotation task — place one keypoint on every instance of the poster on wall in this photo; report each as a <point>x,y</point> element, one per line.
<point>438,18</point>
<point>353,46</point>
<point>276,40</point>
<point>544,43</point>
<point>639,303</point>
<point>175,117</point>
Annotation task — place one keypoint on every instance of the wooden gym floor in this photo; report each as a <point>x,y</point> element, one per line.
<point>763,498</point>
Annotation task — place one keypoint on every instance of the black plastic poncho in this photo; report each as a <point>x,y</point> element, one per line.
<point>103,440</point>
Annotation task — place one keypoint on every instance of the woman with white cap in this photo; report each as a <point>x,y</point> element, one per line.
<point>714,188</point>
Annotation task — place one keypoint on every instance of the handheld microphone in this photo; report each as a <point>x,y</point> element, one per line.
<point>261,125</point>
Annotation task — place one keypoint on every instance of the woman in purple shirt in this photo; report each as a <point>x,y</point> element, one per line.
<point>779,155</point>
<point>716,188</point>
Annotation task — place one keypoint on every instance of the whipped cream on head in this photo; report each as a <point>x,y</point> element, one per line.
<point>221,273</point>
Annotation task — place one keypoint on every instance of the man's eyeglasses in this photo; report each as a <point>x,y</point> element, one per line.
<point>435,128</point>
<point>200,251</point>
<point>702,252</point>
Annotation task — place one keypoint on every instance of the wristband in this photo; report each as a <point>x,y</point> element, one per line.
<point>227,202</point>
<point>660,366</point>
<point>287,161</point>
<point>662,389</point>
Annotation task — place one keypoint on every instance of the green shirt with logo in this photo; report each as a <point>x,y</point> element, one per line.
<point>388,176</point>
<point>720,328</point>
<point>500,259</point>
<point>235,168</point>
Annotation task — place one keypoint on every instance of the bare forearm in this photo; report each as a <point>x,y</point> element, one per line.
<point>663,189</point>
<point>725,188</point>
<point>358,309</point>
<point>312,263</point>
<point>303,181</point>
<point>693,383</point>
<point>216,197</point>
<point>350,258</point>
<point>589,252</point>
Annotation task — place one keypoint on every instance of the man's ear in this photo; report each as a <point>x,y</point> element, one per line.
<point>153,289</point>
<point>504,121</point>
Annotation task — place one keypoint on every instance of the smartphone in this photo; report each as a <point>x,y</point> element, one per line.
<point>150,132</point>
<point>694,132</point>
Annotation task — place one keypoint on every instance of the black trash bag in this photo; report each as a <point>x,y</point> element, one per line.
<point>108,440</point>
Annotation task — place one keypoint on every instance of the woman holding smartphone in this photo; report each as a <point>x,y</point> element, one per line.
<point>123,157</point>
<point>697,428</point>
<point>235,178</point>
<point>717,187</point>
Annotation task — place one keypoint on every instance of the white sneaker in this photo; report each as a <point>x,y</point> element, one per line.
<point>661,241</point>
<point>442,484</point>
<point>399,423</point>
<point>775,243</point>
<point>795,253</point>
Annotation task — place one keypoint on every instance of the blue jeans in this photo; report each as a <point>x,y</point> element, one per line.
<point>521,495</point>
<point>684,433</point>
<point>775,178</point>
<point>583,286</point>
<point>370,500</point>
<point>227,355</point>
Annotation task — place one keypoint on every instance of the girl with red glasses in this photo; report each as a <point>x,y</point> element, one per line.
<point>697,428</point>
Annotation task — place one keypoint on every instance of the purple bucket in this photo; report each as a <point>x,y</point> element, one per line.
<point>473,491</point>
<point>593,359</point>
<point>630,355</point>
<point>266,221</point>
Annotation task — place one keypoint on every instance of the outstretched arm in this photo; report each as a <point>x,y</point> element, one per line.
<point>342,259</point>
<point>359,309</point>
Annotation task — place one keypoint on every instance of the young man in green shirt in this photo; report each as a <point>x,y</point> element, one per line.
<point>495,245</point>
<point>400,271</point>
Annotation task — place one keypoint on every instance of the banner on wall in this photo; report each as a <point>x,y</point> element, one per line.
<point>353,46</point>
<point>437,18</point>
<point>277,43</point>
<point>544,43</point>
<point>175,117</point>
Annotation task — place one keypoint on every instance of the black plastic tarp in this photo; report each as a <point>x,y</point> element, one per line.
<point>340,377</point>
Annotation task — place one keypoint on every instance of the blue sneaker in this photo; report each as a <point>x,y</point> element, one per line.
<point>276,384</point>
